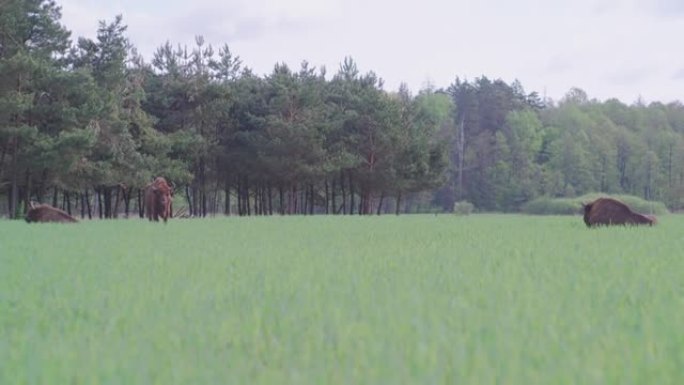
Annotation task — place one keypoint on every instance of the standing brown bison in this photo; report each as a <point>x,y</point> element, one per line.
<point>158,200</point>
<point>47,213</point>
<point>608,211</point>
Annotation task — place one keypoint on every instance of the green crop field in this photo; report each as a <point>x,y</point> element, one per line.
<point>483,299</point>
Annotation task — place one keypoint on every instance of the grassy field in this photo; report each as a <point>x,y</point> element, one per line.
<point>482,299</point>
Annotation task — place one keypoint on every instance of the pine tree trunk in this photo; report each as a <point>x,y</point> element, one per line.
<point>40,191</point>
<point>67,197</point>
<point>54,197</point>
<point>238,195</point>
<point>203,195</point>
<point>295,200</point>
<point>226,191</point>
<point>2,161</point>
<point>196,201</point>
<point>191,209</point>
<point>332,196</point>
<point>366,203</point>
<point>27,193</point>
<point>290,200</point>
<point>117,200</point>
<point>108,202</point>
<point>265,191</point>
<point>127,200</point>
<point>14,193</point>
<point>99,201</point>
<point>304,194</point>
<point>88,207</point>
<point>141,204</point>
<point>9,203</point>
<point>257,201</point>
<point>327,198</point>
<point>344,194</point>
<point>351,195</point>
<point>82,198</point>
<point>247,202</point>
<point>14,190</point>
<point>382,198</point>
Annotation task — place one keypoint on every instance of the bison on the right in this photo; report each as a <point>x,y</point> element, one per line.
<point>609,211</point>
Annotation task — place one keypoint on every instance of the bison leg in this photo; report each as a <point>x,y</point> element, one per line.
<point>148,211</point>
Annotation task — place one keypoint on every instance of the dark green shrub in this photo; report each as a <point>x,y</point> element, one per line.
<point>463,208</point>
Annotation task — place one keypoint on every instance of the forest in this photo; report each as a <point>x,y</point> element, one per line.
<point>86,124</point>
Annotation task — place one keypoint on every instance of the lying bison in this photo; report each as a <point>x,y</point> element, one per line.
<point>608,211</point>
<point>158,200</point>
<point>47,213</point>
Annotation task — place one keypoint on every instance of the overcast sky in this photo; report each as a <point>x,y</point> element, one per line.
<point>608,48</point>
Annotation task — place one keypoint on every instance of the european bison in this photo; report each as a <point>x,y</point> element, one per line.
<point>47,213</point>
<point>608,211</point>
<point>158,200</point>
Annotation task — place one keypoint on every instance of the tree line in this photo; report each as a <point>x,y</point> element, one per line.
<point>86,125</point>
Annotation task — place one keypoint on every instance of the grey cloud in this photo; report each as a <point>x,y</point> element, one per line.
<point>628,76</point>
<point>664,7</point>
<point>653,7</point>
<point>603,7</point>
<point>679,74</point>
<point>559,64</point>
<point>235,26</point>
